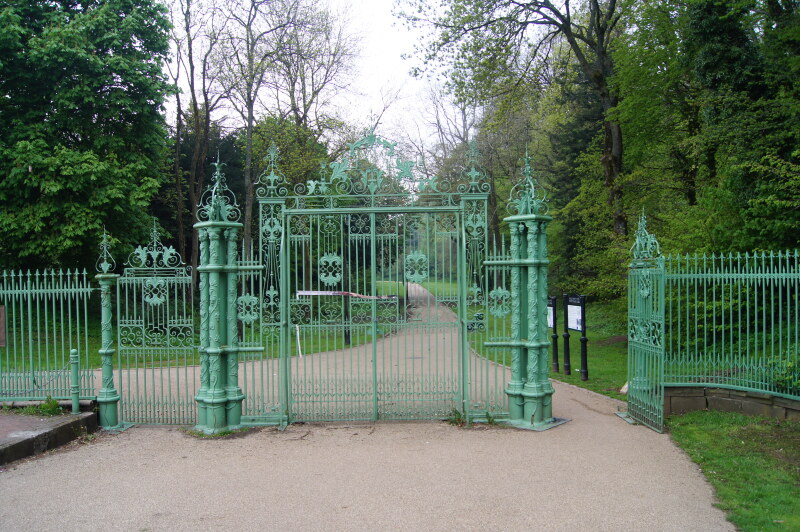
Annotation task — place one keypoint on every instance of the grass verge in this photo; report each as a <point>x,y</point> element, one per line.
<point>753,464</point>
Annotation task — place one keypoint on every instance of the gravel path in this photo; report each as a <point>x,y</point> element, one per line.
<point>593,473</point>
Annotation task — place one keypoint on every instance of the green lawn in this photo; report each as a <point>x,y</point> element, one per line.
<point>753,464</point>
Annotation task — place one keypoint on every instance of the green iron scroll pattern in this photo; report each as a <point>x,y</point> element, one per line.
<point>416,267</point>
<point>330,269</point>
<point>372,170</point>
<point>645,246</point>
<point>218,202</point>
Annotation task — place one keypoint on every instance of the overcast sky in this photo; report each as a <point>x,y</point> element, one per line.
<point>382,71</point>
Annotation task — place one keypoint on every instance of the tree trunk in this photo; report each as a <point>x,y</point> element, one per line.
<point>179,183</point>
<point>248,184</point>
<point>612,168</point>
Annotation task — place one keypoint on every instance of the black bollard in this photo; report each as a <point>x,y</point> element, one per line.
<point>567,366</point>
<point>584,363</point>
<point>552,302</point>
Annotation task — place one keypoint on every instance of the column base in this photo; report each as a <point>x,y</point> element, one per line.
<point>524,425</point>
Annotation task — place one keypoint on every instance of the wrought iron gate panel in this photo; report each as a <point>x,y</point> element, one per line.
<point>371,294</point>
<point>646,331</point>
<point>156,346</point>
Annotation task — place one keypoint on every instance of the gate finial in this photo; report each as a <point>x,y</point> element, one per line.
<point>218,202</point>
<point>105,262</point>
<point>645,246</point>
<point>527,196</point>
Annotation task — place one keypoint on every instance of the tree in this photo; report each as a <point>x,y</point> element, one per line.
<point>81,88</point>
<point>251,42</point>
<point>492,47</point>
<point>197,30</point>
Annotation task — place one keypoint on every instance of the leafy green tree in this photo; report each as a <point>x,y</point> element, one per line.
<point>81,88</point>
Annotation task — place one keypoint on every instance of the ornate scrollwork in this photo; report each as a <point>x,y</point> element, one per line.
<point>645,332</point>
<point>416,267</point>
<point>154,291</point>
<point>527,196</point>
<point>271,182</point>
<point>645,246</point>
<point>499,302</point>
<point>247,308</point>
<point>105,262</point>
<point>476,178</point>
<point>155,254</point>
<point>330,269</point>
<point>218,203</point>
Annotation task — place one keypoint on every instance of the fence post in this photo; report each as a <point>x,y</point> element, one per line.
<point>584,358</point>
<point>552,301</point>
<point>75,379</point>
<point>107,396</point>
<point>567,360</point>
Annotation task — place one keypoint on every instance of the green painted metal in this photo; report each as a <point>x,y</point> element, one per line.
<point>368,295</point>
<point>727,321</point>
<point>219,398</point>
<point>108,396</point>
<point>529,389</point>
<point>732,321</point>
<point>646,283</point>
<point>45,317</point>
<point>157,366</point>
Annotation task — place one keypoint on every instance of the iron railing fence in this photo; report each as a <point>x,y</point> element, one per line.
<point>732,320</point>
<point>43,316</point>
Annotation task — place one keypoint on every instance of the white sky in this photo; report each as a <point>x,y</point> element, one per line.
<point>381,70</point>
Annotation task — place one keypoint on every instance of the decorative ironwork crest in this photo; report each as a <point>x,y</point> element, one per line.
<point>155,254</point>
<point>500,302</point>
<point>416,266</point>
<point>527,196</point>
<point>330,269</point>
<point>272,182</point>
<point>645,246</point>
<point>218,202</point>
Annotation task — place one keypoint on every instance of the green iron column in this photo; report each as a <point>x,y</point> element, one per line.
<point>108,396</point>
<point>202,392</point>
<point>530,393</point>
<point>519,308</point>
<point>219,399</point>
<point>537,391</point>
<point>232,390</point>
<point>216,397</point>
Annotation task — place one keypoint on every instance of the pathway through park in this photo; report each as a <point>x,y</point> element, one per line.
<point>595,472</point>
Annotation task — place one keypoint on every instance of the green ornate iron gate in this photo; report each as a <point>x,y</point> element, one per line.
<point>646,331</point>
<point>370,302</point>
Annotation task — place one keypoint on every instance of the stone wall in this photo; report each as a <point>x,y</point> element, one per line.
<point>682,399</point>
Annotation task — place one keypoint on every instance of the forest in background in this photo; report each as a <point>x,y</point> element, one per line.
<point>684,110</point>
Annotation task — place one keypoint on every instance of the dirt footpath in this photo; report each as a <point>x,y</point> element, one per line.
<point>593,473</point>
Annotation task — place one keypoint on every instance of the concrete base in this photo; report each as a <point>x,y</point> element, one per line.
<point>23,436</point>
<point>530,426</point>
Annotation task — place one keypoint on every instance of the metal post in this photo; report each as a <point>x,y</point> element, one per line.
<point>108,397</point>
<point>219,398</point>
<point>518,306</point>
<point>567,365</point>
<point>553,302</point>
<point>74,384</point>
<point>233,391</point>
<point>584,363</point>
<point>202,392</point>
<point>529,299</point>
